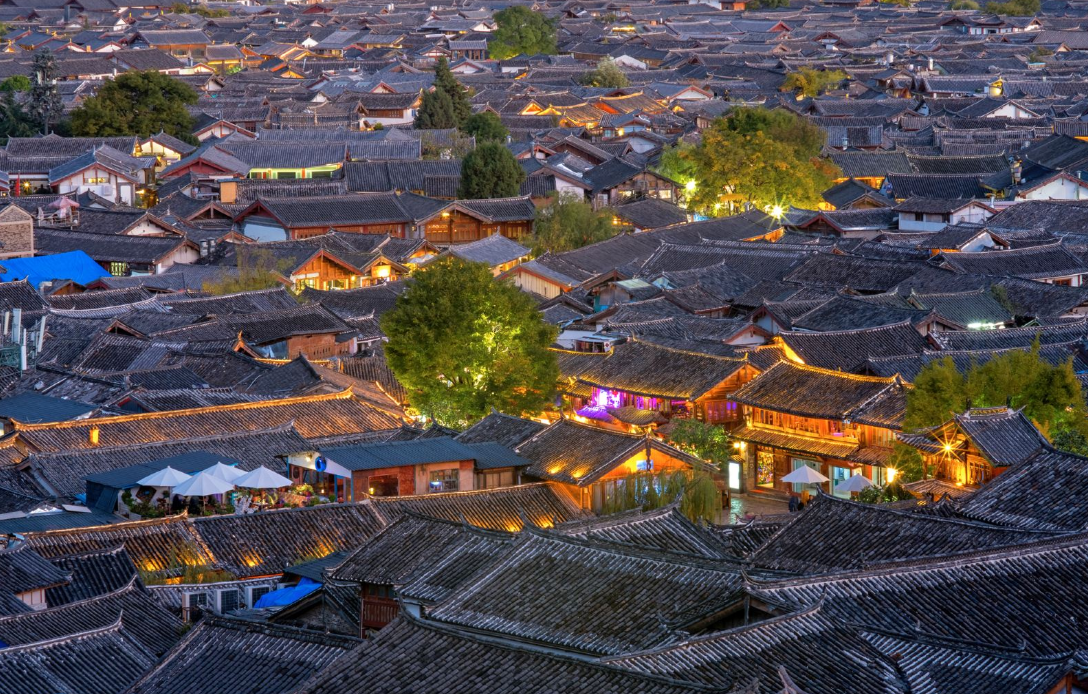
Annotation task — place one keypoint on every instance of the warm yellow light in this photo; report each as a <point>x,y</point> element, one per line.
<point>892,472</point>
<point>371,490</point>
<point>948,448</point>
<point>554,469</point>
<point>382,271</point>
<point>777,211</point>
<point>690,186</point>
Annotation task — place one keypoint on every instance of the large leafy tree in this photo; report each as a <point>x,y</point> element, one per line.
<point>447,105</point>
<point>485,126</point>
<point>607,74</point>
<point>1049,394</point>
<point>490,171</point>
<point>569,223</point>
<point>137,103</point>
<point>462,342</point>
<point>43,103</point>
<point>759,157</point>
<point>811,82</point>
<point>520,30</point>
<point>14,120</point>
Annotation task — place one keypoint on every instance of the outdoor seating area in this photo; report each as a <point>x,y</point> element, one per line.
<point>220,489</point>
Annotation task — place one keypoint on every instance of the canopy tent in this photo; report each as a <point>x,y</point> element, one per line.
<point>262,478</point>
<point>225,472</point>
<point>203,484</point>
<point>166,477</point>
<point>856,483</point>
<point>805,475</point>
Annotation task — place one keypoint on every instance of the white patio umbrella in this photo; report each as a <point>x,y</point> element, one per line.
<point>856,483</point>
<point>805,475</point>
<point>203,484</point>
<point>166,477</point>
<point>262,478</point>
<point>225,472</point>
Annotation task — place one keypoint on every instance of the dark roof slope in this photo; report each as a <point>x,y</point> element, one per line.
<point>255,656</point>
<point>595,597</point>
<point>391,664</point>
<point>834,534</point>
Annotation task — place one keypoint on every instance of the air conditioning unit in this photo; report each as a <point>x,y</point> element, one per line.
<point>192,603</point>
<point>227,600</point>
<point>255,593</point>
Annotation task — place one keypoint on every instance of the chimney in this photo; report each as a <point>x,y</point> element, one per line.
<point>92,436</point>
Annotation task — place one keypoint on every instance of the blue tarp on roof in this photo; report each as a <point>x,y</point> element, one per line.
<point>286,596</point>
<point>73,265</point>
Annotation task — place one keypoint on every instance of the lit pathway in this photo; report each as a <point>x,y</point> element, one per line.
<point>742,504</point>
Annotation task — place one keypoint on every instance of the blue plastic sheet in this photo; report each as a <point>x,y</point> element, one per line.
<point>286,596</point>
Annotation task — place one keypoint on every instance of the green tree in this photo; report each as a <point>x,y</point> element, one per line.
<point>811,82</point>
<point>137,103</point>
<point>462,342</point>
<point>766,4</point>
<point>16,83</point>
<point>257,268</point>
<point>447,105</point>
<point>939,392</point>
<point>568,223</point>
<point>1038,54</point>
<point>490,171</point>
<point>963,5</point>
<point>1050,395</point>
<point>485,126</point>
<point>43,104</point>
<point>1015,8</point>
<point>608,74</point>
<point>14,120</point>
<point>676,163</point>
<point>759,157</point>
<point>706,441</point>
<point>520,30</point>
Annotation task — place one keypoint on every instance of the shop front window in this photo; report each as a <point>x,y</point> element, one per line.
<point>765,469</point>
<point>444,480</point>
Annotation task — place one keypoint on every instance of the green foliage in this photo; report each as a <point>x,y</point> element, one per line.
<point>138,103</point>
<point>697,493</point>
<point>183,8</point>
<point>676,163</point>
<point>1049,395</point>
<point>520,30</point>
<point>490,171</point>
<point>1014,8</point>
<point>766,4</point>
<point>893,491</point>
<point>939,392</point>
<point>1001,295</point>
<point>964,5</point>
<point>811,82</point>
<point>447,105</point>
<point>485,126</point>
<point>607,74</point>
<point>1036,56</point>
<point>463,342</point>
<point>44,106</point>
<point>702,500</point>
<point>759,157</point>
<point>1071,441</point>
<point>706,441</point>
<point>453,147</point>
<point>14,120</point>
<point>908,463</point>
<point>257,269</point>
<point>901,3</point>
<point>570,222</point>
<point>16,83</point>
